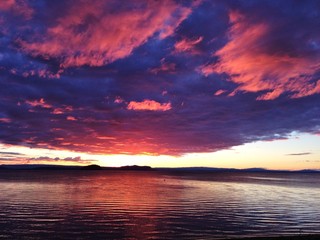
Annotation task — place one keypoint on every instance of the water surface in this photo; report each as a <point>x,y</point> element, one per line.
<point>156,204</point>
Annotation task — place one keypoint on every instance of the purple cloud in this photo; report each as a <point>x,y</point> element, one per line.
<point>158,78</point>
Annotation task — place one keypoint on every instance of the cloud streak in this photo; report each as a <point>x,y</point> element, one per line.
<point>150,105</point>
<point>187,45</point>
<point>299,154</point>
<point>20,159</point>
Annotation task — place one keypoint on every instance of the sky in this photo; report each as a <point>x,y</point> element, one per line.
<point>162,83</point>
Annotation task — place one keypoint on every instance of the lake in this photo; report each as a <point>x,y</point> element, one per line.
<point>156,204</point>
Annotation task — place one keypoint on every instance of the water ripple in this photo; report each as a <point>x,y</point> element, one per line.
<point>113,205</point>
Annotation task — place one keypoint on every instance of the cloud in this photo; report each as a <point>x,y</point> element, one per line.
<point>71,118</point>
<point>93,33</point>
<point>187,45</point>
<point>38,103</point>
<point>6,4</point>
<point>118,100</point>
<point>249,63</point>
<point>10,154</point>
<point>110,78</point>
<point>45,159</point>
<point>219,92</point>
<point>62,110</point>
<point>164,67</point>
<point>12,157</point>
<point>5,120</point>
<point>299,154</point>
<point>149,105</point>
<point>18,7</point>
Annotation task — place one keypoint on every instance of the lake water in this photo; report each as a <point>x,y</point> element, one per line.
<point>156,205</point>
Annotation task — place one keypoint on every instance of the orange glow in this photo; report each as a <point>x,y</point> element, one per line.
<point>150,105</point>
<point>277,154</point>
<point>125,194</point>
<point>71,118</point>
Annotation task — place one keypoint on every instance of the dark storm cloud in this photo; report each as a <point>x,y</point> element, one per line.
<point>159,77</point>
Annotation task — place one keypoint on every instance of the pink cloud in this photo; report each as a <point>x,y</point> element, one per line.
<point>219,92</point>
<point>71,118</point>
<point>38,103</point>
<point>17,7</point>
<point>45,159</point>
<point>93,33</point>
<point>150,105</point>
<point>42,73</point>
<point>62,110</point>
<point>188,45</point>
<point>164,67</point>
<point>5,5</point>
<point>57,111</point>
<point>118,100</point>
<point>5,120</point>
<point>254,69</point>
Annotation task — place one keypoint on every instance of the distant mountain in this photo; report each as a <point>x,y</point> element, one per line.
<point>309,171</point>
<point>91,167</point>
<point>136,168</point>
<point>145,168</point>
<point>202,169</point>
<point>64,167</point>
<point>252,170</point>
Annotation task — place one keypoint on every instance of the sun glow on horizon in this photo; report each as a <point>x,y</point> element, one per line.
<point>300,151</point>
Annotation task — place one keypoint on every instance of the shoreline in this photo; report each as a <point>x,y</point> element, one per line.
<point>291,237</point>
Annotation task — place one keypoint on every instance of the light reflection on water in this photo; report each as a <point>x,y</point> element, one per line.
<point>157,205</point>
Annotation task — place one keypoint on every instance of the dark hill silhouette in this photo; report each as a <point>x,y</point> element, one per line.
<point>91,167</point>
<point>65,167</point>
<point>144,168</point>
<point>136,168</point>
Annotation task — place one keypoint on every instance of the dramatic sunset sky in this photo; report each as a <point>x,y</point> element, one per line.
<point>165,83</point>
